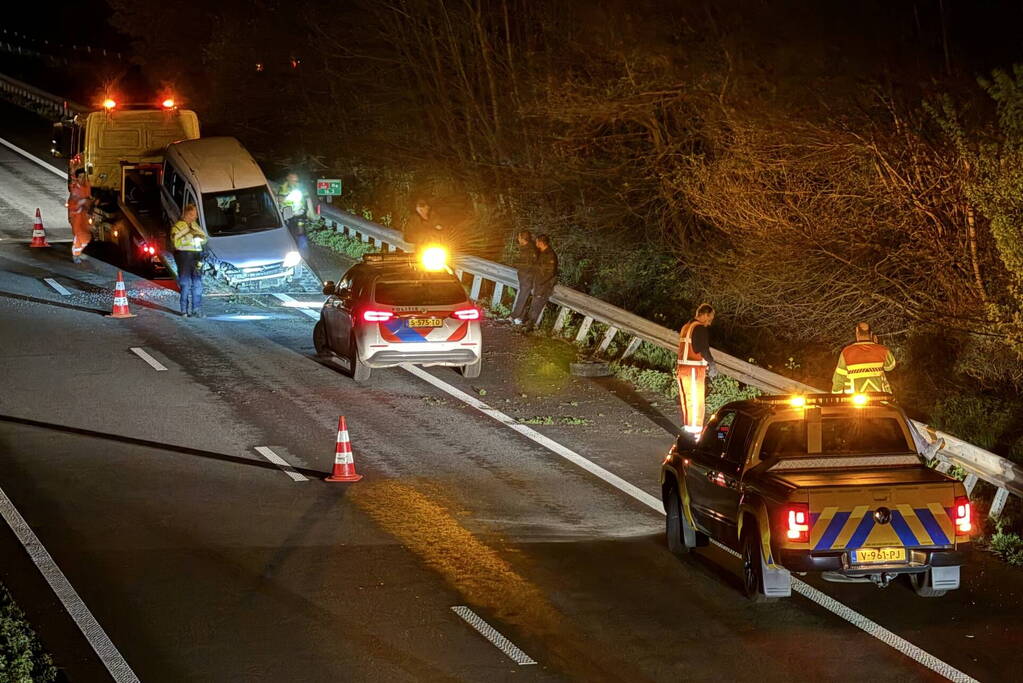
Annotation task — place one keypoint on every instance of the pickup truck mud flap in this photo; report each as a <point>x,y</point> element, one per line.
<point>944,578</point>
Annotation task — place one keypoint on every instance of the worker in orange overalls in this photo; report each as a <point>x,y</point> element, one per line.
<point>695,363</point>
<point>862,365</point>
<point>79,206</point>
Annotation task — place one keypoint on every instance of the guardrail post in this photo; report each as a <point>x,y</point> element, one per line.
<point>562,318</point>
<point>998,504</point>
<point>477,282</point>
<point>969,482</point>
<point>458,274</point>
<point>606,341</point>
<point>584,330</point>
<point>632,347</point>
<point>495,300</point>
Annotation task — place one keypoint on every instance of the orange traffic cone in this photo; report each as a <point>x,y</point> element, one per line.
<point>344,462</point>
<point>38,232</point>
<point>120,300</point>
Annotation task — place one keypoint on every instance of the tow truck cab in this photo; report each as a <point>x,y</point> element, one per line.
<point>829,483</point>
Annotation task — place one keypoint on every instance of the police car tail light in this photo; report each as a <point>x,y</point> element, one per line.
<point>372,315</point>
<point>467,314</point>
<point>963,516</point>
<point>797,522</point>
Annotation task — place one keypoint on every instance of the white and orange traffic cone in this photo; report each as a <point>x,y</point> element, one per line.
<point>120,300</point>
<point>38,232</point>
<point>344,461</point>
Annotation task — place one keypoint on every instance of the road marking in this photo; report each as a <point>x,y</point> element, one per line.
<point>33,157</point>
<point>280,462</point>
<point>90,628</point>
<point>61,289</point>
<point>861,622</point>
<point>293,303</point>
<point>493,635</point>
<point>157,365</point>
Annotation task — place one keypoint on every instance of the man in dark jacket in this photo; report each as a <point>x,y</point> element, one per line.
<point>545,277</point>
<point>525,264</point>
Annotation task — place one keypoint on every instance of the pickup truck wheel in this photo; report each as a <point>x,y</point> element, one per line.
<point>752,568</point>
<point>320,340</point>
<point>921,584</point>
<point>673,525</point>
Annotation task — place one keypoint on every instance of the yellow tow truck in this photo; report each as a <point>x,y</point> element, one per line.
<point>826,483</point>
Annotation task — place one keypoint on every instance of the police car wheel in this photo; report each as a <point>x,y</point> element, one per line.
<point>472,370</point>
<point>673,525</point>
<point>752,570</point>
<point>320,340</point>
<point>921,584</point>
<point>360,371</point>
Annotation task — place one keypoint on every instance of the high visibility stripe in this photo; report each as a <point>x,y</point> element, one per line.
<point>827,539</point>
<point>863,529</point>
<point>850,526</point>
<point>938,536</point>
<point>911,520</point>
<point>944,518</point>
<point>883,535</point>
<point>120,301</point>
<point>820,524</point>
<point>901,527</point>
<point>841,371</point>
<point>864,366</point>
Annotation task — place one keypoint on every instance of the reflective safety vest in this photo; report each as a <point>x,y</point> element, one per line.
<point>687,355</point>
<point>187,236</point>
<point>78,200</point>
<point>862,367</point>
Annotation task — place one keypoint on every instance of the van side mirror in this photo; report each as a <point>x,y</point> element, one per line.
<point>328,287</point>
<point>288,212</point>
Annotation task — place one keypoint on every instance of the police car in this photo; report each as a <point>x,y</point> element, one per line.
<point>829,483</point>
<point>395,308</point>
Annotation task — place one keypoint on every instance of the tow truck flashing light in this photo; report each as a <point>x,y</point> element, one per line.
<point>168,103</point>
<point>109,103</point>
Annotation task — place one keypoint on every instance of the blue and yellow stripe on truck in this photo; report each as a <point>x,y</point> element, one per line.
<point>912,527</point>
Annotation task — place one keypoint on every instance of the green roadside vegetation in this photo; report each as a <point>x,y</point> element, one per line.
<point>22,657</point>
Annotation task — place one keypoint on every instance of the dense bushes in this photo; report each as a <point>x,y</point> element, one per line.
<point>22,658</point>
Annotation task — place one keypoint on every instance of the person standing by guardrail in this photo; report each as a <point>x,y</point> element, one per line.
<point>695,363</point>
<point>862,365</point>
<point>188,238</point>
<point>79,206</point>
<point>545,276</point>
<point>525,264</point>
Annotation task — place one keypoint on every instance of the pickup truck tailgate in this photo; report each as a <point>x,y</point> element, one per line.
<point>909,507</point>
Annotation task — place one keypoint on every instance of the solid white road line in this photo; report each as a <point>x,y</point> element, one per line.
<point>33,157</point>
<point>157,365</point>
<point>280,462</point>
<point>827,602</point>
<point>93,632</point>
<point>61,289</point>
<point>291,302</point>
<point>493,635</point>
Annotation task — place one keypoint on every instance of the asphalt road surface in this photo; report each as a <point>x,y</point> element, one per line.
<point>200,559</point>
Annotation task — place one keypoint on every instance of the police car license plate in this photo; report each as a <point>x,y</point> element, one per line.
<point>425,322</point>
<point>877,555</point>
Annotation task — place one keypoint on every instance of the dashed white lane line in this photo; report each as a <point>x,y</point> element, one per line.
<point>157,365</point>
<point>280,462</point>
<point>291,303</point>
<point>61,289</point>
<point>32,157</point>
<point>493,635</point>
<point>870,627</point>
<point>83,618</point>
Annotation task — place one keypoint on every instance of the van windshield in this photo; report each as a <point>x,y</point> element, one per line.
<point>235,212</point>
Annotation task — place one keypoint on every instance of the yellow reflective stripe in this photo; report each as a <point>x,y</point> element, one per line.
<point>914,523</point>
<point>841,371</point>
<point>857,366</point>
<point>882,535</point>
<point>944,521</point>
<point>821,525</point>
<point>850,527</point>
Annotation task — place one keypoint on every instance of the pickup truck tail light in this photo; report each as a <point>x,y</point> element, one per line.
<point>797,522</point>
<point>371,315</point>
<point>963,515</point>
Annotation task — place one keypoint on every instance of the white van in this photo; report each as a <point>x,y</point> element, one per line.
<point>249,243</point>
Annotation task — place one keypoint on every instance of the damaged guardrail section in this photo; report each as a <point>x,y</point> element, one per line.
<point>495,278</point>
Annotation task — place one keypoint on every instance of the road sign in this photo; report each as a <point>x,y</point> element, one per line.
<point>327,186</point>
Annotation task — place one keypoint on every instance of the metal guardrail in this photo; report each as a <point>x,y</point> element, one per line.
<point>978,463</point>
<point>37,100</point>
